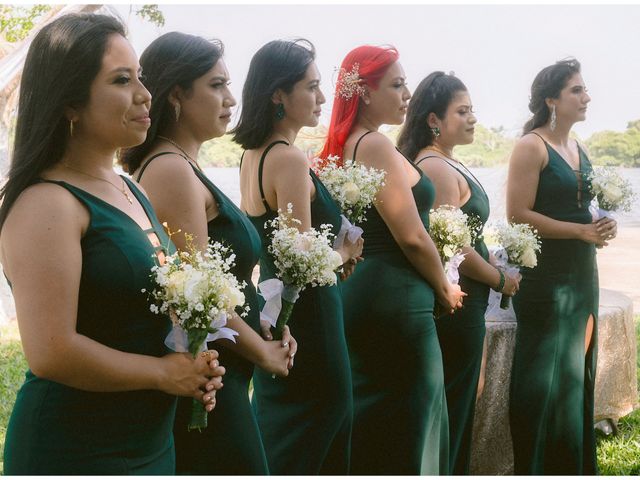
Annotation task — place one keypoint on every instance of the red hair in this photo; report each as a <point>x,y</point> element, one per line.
<point>372,63</point>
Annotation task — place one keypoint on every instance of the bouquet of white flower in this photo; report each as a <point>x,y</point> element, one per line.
<point>354,187</point>
<point>611,191</point>
<point>520,244</point>
<point>450,230</point>
<point>198,292</point>
<point>302,259</point>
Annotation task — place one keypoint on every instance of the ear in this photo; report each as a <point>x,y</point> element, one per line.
<point>366,96</point>
<point>277,96</point>
<point>71,114</point>
<point>175,95</point>
<point>433,121</point>
<point>550,102</point>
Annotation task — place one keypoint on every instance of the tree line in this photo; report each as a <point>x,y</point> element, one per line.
<point>492,146</point>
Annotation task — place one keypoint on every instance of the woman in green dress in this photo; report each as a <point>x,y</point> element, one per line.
<point>400,412</point>
<point>552,380</point>
<point>440,117</point>
<point>188,80</point>
<point>305,418</point>
<point>78,244</point>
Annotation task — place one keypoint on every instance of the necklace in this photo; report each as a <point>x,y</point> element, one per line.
<point>182,150</point>
<point>121,189</point>
<point>458,162</point>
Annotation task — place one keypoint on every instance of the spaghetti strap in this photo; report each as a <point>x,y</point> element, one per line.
<point>264,155</point>
<point>355,149</point>
<point>144,167</point>
<point>539,136</point>
<point>417,162</point>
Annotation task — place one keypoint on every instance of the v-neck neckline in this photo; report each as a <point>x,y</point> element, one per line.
<point>122,212</point>
<point>579,169</point>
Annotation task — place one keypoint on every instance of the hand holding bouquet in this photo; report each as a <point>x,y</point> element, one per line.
<point>354,187</point>
<point>520,245</point>
<point>198,292</point>
<point>450,231</point>
<point>302,259</point>
<point>612,192</point>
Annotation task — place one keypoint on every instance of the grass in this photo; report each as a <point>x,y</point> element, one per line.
<point>12,369</point>
<point>620,454</point>
<point>617,454</point>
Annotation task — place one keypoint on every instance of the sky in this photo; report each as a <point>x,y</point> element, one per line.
<point>496,50</point>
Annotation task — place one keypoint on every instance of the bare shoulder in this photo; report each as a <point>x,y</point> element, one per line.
<point>44,212</point>
<point>529,150</point>
<point>287,159</point>
<point>171,168</point>
<point>377,150</point>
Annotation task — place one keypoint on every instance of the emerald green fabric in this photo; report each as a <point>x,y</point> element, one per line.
<point>231,444</point>
<point>461,338</point>
<point>552,382</point>
<point>305,418</point>
<point>59,430</point>
<point>400,414</point>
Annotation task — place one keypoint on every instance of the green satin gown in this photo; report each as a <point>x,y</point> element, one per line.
<point>400,422</point>
<point>305,418</point>
<point>461,338</point>
<point>59,430</point>
<point>231,444</point>
<point>552,382</point>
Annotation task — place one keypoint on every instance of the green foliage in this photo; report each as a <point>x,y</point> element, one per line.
<point>12,369</point>
<point>620,454</point>
<point>490,147</point>
<point>220,152</point>
<point>616,148</point>
<point>152,14</point>
<point>16,21</point>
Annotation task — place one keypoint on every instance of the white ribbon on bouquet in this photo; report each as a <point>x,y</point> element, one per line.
<point>178,340</point>
<point>347,230</point>
<point>273,291</point>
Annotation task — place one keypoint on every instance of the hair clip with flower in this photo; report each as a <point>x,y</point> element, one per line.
<point>348,83</point>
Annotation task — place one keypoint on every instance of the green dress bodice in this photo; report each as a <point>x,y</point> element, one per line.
<point>305,418</point>
<point>60,430</point>
<point>552,380</point>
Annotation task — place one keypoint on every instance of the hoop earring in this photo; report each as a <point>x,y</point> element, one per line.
<point>279,111</point>
<point>176,109</point>
<point>71,128</point>
<point>435,131</point>
<point>554,118</point>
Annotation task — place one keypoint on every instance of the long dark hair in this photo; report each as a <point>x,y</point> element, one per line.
<point>548,84</point>
<point>172,59</point>
<point>61,64</point>
<point>433,95</point>
<point>277,65</point>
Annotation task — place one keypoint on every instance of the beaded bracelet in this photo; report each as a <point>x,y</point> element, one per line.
<point>501,283</point>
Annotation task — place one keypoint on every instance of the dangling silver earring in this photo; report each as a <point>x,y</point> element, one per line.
<point>176,109</point>
<point>435,131</point>
<point>554,118</point>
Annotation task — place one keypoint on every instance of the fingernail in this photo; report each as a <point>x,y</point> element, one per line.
<point>206,399</point>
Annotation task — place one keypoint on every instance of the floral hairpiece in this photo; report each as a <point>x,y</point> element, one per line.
<point>348,83</point>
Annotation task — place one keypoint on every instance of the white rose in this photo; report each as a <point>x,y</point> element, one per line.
<point>529,258</point>
<point>351,192</point>
<point>196,285</point>
<point>175,285</point>
<point>612,193</point>
<point>335,260</point>
<point>236,297</point>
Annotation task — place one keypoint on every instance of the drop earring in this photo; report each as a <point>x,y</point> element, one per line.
<point>279,111</point>
<point>554,118</point>
<point>435,131</point>
<point>176,109</point>
<point>71,128</point>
